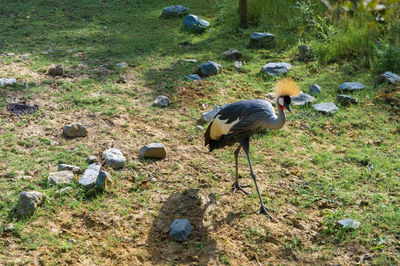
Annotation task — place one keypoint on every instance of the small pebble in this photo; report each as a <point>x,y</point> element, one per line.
<point>91,159</point>
<point>349,223</point>
<point>162,101</point>
<point>9,228</point>
<point>121,65</point>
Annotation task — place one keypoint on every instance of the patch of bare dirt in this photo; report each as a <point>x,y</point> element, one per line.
<point>391,97</point>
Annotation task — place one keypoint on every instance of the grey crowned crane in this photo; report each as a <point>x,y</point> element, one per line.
<point>237,122</point>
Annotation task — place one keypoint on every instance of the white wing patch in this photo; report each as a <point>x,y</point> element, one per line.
<point>220,127</point>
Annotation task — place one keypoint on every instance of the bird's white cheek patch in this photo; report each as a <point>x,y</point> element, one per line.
<point>220,127</point>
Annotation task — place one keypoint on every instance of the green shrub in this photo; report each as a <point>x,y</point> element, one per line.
<point>350,41</point>
<point>387,58</point>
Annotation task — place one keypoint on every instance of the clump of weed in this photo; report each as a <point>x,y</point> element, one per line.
<point>332,231</point>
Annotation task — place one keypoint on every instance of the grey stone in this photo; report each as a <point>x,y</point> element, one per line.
<point>180,229</point>
<point>56,71</point>
<point>302,99</point>
<point>237,65</point>
<point>195,24</point>
<point>174,11</point>
<point>351,86</point>
<point>89,177</point>
<point>276,69</point>
<point>114,158</point>
<point>349,223</point>
<point>388,77</point>
<point>121,65</point>
<point>153,180</point>
<point>92,159</point>
<point>345,99</point>
<point>67,167</point>
<point>162,101</point>
<point>315,89</point>
<point>75,130</point>
<point>365,258</point>
<point>193,77</point>
<point>24,57</point>
<point>210,68</point>
<point>326,108</point>
<point>208,116</point>
<point>153,151</point>
<point>7,82</point>
<point>199,127</point>
<point>28,203</point>
<point>25,84</point>
<point>63,191</point>
<point>9,228</point>
<point>261,39</point>
<point>191,60</point>
<point>70,51</point>
<point>44,53</point>
<point>232,54</point>
<point>62,177</point>
<point>104,179</point>
<point>305,53</point>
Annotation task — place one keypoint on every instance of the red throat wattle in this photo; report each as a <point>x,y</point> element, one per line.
<point>282,107</point>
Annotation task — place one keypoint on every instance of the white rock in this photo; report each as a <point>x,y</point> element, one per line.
<point>114,158</point>
<point>90,175</point>
<point>7,82</point>
<point>67,167</point>
<point>62,177</point>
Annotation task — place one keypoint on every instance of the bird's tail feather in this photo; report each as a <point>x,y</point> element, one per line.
<point>207,138</point>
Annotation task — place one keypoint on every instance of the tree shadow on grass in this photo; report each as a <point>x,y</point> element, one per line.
<point>200,248</point>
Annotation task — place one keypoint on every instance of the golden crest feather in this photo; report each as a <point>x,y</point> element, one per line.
<point>287,86</point>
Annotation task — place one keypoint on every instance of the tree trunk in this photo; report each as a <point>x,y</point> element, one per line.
<point>243,14</point>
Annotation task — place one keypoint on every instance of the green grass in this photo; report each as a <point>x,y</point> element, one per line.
<point>316,170</point>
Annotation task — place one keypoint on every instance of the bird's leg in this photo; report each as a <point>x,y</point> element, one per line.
<point>245,144</point>
<point>235,185</point>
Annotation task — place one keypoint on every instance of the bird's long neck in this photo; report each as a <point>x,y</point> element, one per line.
<point>281,119</point>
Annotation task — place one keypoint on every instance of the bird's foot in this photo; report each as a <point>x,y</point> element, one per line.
<point>236,186</point>
<point>264,210</point>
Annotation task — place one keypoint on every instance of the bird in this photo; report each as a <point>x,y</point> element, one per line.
<point>237,122</point>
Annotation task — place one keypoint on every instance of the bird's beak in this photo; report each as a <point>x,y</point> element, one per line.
<point>287,106</point>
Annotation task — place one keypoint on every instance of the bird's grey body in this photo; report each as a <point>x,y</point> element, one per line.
<point>251,117</point>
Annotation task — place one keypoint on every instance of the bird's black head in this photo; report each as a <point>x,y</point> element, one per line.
<point>287,100</point>
<point>284,102</point>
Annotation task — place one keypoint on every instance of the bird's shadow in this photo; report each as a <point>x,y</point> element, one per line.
<point>200,248</point>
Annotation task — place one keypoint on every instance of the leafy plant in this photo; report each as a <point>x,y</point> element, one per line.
<point>379,243</point>
<point>387,57</point>
<point>305,21</point>
<point>325,30</point>
<point>65,245</point>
